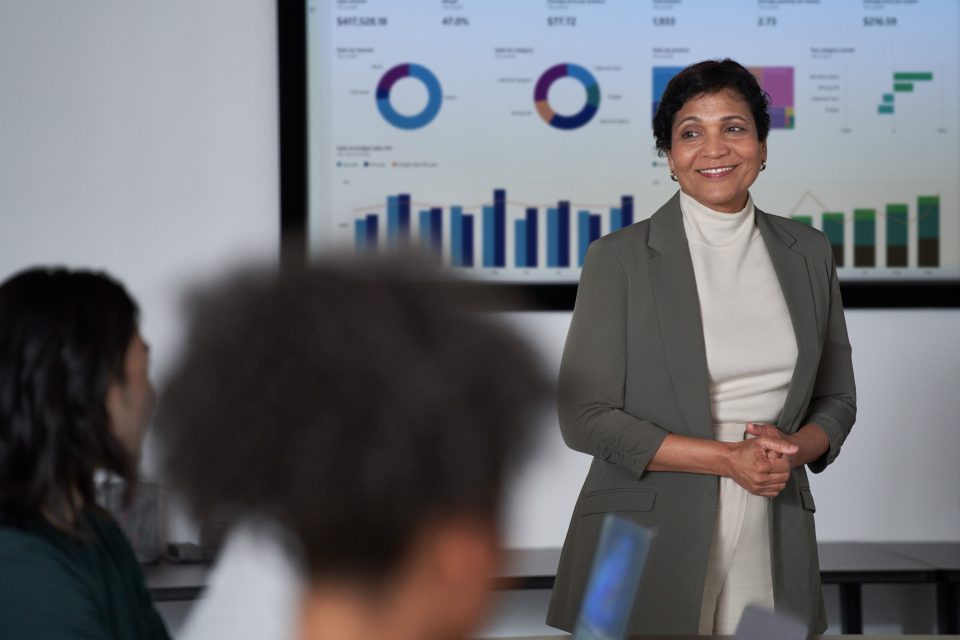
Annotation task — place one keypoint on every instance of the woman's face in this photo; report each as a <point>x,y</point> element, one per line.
<point>715,152</point>
<point>130,402</point>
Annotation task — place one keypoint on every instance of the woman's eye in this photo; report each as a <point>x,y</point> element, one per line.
<point>735,129</point>
<point>688,134</point>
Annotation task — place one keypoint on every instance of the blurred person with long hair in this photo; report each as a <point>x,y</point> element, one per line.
<point>75,399</point>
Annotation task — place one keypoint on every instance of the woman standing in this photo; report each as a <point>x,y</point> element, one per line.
<point>75,397</point>
<point>706,365</point>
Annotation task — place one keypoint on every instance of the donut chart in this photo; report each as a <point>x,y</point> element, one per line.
<point>434,96</point>
<point>542,89</point>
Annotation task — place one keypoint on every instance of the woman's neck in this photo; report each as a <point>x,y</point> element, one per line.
<point>62,508</point>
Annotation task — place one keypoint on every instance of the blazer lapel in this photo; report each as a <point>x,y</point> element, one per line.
<point>793,273</point>
<point>678,311</point>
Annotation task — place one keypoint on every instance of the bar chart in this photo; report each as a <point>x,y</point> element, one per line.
<point>910,234</point>
<point>459,234</point>
<point>557,235</point>
<point>903,82</point>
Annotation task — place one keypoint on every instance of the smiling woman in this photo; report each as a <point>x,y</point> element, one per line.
<point>707,364</point>
<point>715,153</point>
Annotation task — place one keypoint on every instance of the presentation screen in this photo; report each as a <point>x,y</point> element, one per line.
<point>503,136</point>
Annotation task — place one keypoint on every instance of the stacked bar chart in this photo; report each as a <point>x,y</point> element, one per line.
<point>897,235</point>
<point>778,82</point>
<point>928,236</point>
<point>452,232</point>
<point>833,229</point>
<point>897,232</point>
<point>864,237</point>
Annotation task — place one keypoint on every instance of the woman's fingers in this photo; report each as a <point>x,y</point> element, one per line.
<point>777,445</point>
<point>762,465</point>
<point>755,429</point>
<point>768,483</point>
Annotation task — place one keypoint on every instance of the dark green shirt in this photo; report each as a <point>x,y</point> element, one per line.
<point>55,586</point>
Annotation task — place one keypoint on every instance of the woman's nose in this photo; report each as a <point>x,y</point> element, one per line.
<point>714,146</point>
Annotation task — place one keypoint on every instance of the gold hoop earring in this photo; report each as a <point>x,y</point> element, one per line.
<point>674,177</point>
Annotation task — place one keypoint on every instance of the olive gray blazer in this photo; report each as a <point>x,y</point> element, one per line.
<point>634,369</point>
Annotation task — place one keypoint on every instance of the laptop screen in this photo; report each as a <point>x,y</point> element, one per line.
<point>614,580</point>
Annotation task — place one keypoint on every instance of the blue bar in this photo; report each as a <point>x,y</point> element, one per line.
<point>373,231</point>
<point>360,234</point>
<point>583,234</point>
<point>500,227</point>
<point>594,227</point>
<point>393,218</point>
<point>468,241</point>
<point>520,243</point>
<point>403,214</point>
<point>532,237</point>
<point>626,209</point>
<point>563,244</point>
<point>553,238</point>
<point>616,219</point>
<point>436,230</point>
<point>456,236</point>
<point>424,229</point>
<point>489,232</point>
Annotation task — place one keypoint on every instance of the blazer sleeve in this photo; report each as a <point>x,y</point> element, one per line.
<point>833,405</point>
<point>593,370</point>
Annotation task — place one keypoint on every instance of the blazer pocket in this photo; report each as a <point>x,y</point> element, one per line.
<point>613,500</point>
<point>806,499</point>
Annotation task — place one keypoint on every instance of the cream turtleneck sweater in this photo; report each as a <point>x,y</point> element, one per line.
<point>750,343</point>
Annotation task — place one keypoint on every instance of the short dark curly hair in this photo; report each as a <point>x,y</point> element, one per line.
<point>709,76</point>
<point>63,338</point>
<point>351,401</point>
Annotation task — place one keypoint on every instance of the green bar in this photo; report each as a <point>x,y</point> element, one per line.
<point>888,97</point>
<point>864,227</point>
<point>833,227</point>
<point>896,225</point>
<point>885,108</point>
<point>912,76</point>
<point>928,214</point>
<point>807,220</point>
<point>903,87</point>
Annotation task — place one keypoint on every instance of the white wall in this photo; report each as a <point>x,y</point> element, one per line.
<point>141,138</point>
<point>896,479</point>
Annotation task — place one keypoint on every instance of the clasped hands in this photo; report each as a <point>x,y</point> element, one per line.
<point>762,464</point>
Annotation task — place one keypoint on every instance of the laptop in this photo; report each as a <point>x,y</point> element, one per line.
<point>614,580</point>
